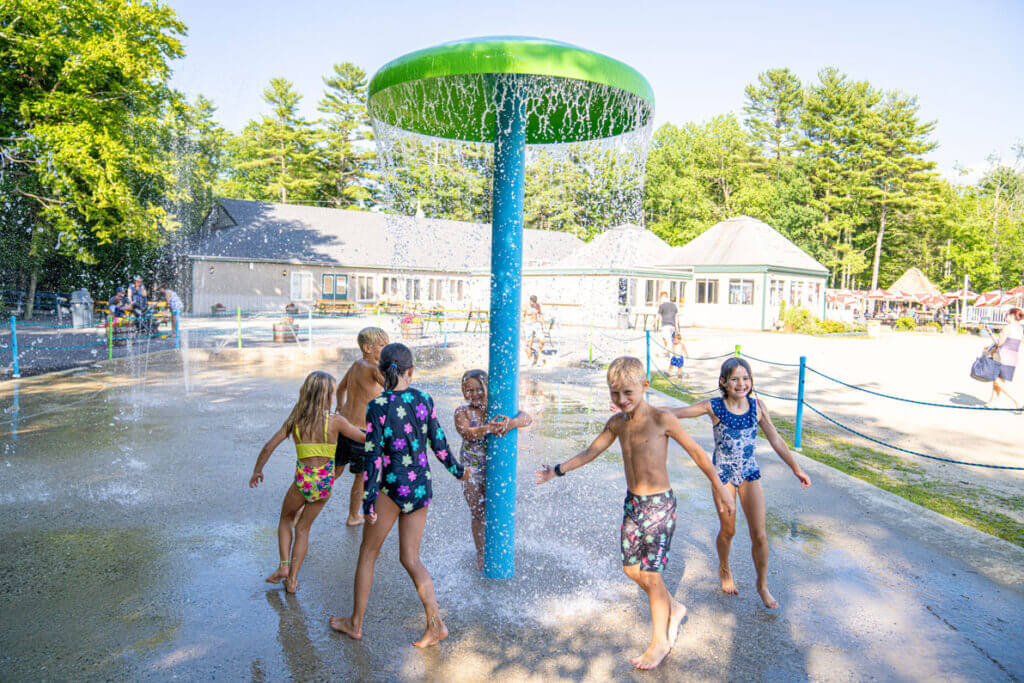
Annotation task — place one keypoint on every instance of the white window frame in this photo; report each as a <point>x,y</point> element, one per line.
<point>710,286</point>
<point>741,288</point>
<point>301,285</point>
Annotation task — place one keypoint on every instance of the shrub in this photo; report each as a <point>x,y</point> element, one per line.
<point>802,321</point>
<point>906,323</point>
<point>934,326</point>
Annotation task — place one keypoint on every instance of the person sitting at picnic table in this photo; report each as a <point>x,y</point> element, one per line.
<point>137,288</point>
<point>117,304</point>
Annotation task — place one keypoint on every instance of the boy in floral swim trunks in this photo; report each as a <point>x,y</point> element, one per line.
<point>649,514</point>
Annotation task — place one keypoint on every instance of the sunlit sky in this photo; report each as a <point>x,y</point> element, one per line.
<point>964,60</point>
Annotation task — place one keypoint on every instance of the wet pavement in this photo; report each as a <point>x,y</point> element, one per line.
<point>133,549</point>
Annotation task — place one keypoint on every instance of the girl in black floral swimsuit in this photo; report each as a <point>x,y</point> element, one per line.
<point>400,423</point>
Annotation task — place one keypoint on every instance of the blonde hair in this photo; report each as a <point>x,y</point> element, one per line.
<point>314,400</point>
<point>626,370</point>
<point>369,336</point>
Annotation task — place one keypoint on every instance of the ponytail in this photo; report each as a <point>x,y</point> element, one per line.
<point>395,360</point>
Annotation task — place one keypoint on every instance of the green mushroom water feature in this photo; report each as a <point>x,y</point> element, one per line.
<point>506,93</point>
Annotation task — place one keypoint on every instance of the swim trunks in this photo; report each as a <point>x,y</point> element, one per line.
<point>351,453</point>
<point>676,361</point>
<point>314,482</point>
<point>647,526</point>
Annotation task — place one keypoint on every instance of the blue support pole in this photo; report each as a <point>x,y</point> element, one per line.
<point>14,347</point>
<point>177,340</point>
<point>506,295</point>
<point>648,335</point>
<point>798,437</point>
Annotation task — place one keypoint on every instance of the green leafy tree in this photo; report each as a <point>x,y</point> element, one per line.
<point>772,109</point>
<point>897,180</point>
<point>346,168</point>
<point>84,86</point>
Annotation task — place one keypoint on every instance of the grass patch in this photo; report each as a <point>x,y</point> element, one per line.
<point>896,475</point>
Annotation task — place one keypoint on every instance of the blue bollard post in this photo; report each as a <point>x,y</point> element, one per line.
<point>177,340</point>
<point>797,438</point>
<point>506,294</point>
<point>648,335</point>
<point>14,347</point>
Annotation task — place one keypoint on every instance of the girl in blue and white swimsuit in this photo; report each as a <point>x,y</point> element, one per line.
<point>735,418</point>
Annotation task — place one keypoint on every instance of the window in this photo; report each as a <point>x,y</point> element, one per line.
<point>327,285</point>
<point>707,291</point>
<point>412,289</point>
<point>623,291</point>
<point>341,286</point>
<point>673,291</point>
<point>682,292</point>
<point>460,289</point>
<point>389,285</point>
<point>363,287</point>
<point>776,290</point>
<point>741,292</point>
<point>302,286</point>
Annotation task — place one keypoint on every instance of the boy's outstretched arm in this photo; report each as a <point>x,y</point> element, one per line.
<point>701,459</point>
<point>347,429</point>
<point>779,444</point>
<point>264,456</point>
<point>605,439</point>
<point>695,410</point>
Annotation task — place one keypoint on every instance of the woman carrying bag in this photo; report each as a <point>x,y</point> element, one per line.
<point>1007,347</point>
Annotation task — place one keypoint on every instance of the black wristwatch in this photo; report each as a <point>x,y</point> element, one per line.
<point>558,470</point>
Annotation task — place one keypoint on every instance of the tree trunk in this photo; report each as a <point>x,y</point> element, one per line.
<point>878,246</point>
<point>30,298</point>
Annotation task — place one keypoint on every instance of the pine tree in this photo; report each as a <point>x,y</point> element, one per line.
<point>773,109</point>
<point>346,168</point>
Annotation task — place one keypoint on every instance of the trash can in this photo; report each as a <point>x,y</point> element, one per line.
<point>81,308</point>
<point>623,320</point>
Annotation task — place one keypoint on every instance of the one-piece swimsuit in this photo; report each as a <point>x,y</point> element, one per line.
<point>399,425</point>
<point>473,452</point>
<point>735,436</point>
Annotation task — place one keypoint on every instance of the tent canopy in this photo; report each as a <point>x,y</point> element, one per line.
<point>915,282</point>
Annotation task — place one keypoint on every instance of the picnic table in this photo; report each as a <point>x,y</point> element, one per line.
<point>645,318</point>
<point>336,306</point>
<point>480,318</point>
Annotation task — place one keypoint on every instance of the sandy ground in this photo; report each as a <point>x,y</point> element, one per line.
<point>133,549</point>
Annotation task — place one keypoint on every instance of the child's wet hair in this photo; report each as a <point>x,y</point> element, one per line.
<point>395,359</point>
<point>478,375</point>
<point>626,370</point>
<point>314,398</point>
<point>727,370</point>
<point>370,336</point>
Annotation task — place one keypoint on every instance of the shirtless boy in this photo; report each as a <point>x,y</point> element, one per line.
<point>649,516</point>
<point>360,385</point>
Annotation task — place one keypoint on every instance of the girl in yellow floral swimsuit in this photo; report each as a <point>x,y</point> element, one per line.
<point>315,431</point>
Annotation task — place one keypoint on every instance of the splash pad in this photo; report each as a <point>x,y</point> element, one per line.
<point>508,92</point>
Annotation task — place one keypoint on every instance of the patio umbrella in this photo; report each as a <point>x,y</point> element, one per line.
<point>1017,291</point>
<point>989,299</point>
<point>878,294</point>
<point>961,294</point>
<point>933,300</point>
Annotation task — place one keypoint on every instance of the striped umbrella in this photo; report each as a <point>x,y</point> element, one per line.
<point>989,299</point>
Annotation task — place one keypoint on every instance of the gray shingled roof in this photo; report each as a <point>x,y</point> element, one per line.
<point>624,247</point>
<point>267,230</point>
<point>744,241</point>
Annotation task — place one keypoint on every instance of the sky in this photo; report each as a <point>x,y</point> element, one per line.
<point>963,60</point>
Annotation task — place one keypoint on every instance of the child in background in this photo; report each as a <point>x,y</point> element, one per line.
<point>649,514</point>
<point>679,354</point>
<point>315,431</point>
<point>735,418</point>
<point>472,425</point>
<point>399,424</point>
<point>362,383</point>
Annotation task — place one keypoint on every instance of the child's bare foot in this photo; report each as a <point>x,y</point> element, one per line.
<point>727,585</point>
<point>291,585</point>
<point>675,618</point>
<point>480,563</point>
<point>769,601</point>
<point>435,633</point>
<point>344,625</point>
<point>354,520</point>
<point>281,573</point>
<point>652,656</point>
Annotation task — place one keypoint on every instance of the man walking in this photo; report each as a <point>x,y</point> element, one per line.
<point>669,313</point>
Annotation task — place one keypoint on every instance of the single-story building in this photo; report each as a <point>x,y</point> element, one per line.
<point>743,269</point>
<point>261,256</point>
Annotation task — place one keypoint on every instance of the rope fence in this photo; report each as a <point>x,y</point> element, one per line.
<point>802,402</point>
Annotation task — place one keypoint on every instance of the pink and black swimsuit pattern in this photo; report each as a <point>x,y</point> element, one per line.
<point>399,425</point>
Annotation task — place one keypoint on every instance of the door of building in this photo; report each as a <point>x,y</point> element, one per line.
<point>335,287</point>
